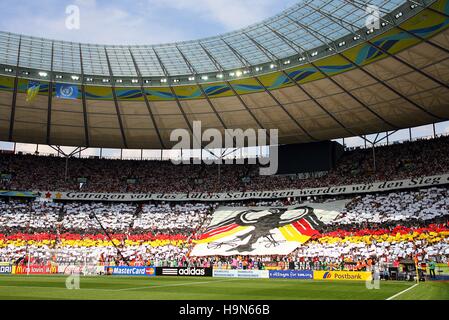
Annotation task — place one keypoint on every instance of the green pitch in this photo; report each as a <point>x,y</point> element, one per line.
<point>183,288</point>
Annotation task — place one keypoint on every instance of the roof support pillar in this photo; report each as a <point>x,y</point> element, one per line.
<point>14,96</point>
<point>147,102</point>
<point>83,97</point>
<point>114,94</point>
<point>50,96</point>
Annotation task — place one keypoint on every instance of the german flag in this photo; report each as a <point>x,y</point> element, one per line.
<point>219,233</point>
<point>300,231</point>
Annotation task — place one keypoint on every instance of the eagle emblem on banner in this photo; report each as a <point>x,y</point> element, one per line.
<point>258,231</point>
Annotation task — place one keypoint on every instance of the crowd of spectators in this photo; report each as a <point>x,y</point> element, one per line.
<point>47,173</point>
<point>90,218</point>
<point>389,226</point>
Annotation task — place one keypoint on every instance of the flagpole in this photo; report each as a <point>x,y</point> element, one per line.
<point>27,247</point>
<point>417,272</point>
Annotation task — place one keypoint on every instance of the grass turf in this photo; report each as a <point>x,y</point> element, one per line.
<point>183,288</point>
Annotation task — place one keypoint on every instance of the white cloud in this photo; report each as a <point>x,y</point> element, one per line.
<point>231,14</point>
<point>105,24</point>
<point>137,22</point>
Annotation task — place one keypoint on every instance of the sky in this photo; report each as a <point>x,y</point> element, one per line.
<point>146,22</point>
<point>135,21</point>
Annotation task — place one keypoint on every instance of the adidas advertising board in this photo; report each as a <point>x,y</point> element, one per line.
<point>184,272</point>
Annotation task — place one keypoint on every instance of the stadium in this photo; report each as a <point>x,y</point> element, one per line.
<point>346,99</point>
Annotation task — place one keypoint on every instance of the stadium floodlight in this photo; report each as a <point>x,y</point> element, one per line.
<point>89,79</point>
<point>220,76</point>
<point>238,73</point>
<point>26,73</point>
<point>175,80</point>
<point>357,37</point>
<point>258,69</point>
<point>43,74</point>
<point>8,70</point>
<point>398,15</point>
<point>163,80</point>
<point>287,62</point>
<point>75,77</point>
<point>191,78</point>
<point>147,81</point>
<point>58,76</point>
<point>134,80</point>
<point>342,43</point>
<point>204,78</point>
<point>119,80</point>
<point>231,74</point>
<point>315,53</point>
<point>105,80</point>
<point>245,71</point>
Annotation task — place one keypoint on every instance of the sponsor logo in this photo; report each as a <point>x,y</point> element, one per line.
<point>184,272</point>
<point>348,277</point>
<point>192,272</point>
<point>224,273</point>
<point>5,269</point>
<point>170,272</point>
<point>241,273</point>
<point>188,272</point>
<point>291,274</point>
<point>130,271</point>
<point>35,269</point>
<point>341,275</point>
<point>150,271</point>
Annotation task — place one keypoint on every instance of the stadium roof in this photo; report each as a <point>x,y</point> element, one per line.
<point>314,71</point>
<point>302,28</point>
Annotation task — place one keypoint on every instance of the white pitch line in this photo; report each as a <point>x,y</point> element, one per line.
<point>403,291</point>
<point>109,290</point>
<point>172,285</point>
<point>52,288</point>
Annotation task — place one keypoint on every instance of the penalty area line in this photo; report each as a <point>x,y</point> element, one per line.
<point>403,291</point>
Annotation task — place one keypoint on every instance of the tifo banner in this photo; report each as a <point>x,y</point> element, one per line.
<point>130,271</point>
<point>236,196</point>
<point>35,269</point>
<point>241,273</point>
<point>184,272</point>
<point>342,275</point>
<point>5,268</point>
<point>262,231</point>
<point>291,274</point>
